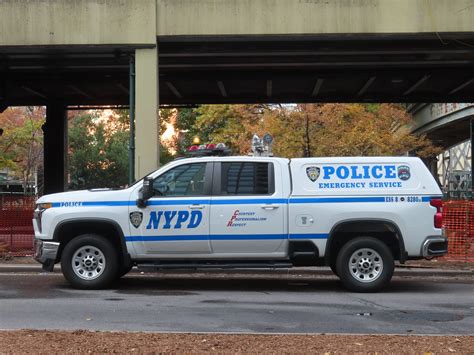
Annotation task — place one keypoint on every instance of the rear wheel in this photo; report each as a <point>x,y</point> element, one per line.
<point>89,261</point>
<point>365,264</point>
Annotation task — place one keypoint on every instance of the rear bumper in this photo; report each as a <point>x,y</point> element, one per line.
<point>46,253</point>
<point>434,246</point>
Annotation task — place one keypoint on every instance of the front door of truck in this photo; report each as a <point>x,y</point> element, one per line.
<point>247,211</point>
<point>176,219</point>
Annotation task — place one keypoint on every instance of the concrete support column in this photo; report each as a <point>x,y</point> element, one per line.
<point>55,148</point>
<point>147,121</point>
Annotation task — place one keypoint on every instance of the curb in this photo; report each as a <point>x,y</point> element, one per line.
<point>326,271</point>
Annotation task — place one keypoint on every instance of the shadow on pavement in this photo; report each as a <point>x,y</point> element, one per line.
<point>148,285</point>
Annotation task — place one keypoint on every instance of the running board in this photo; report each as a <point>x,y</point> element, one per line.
<point>213,265</point>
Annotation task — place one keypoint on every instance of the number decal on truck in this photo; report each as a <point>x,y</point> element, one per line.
<point>410,199</point>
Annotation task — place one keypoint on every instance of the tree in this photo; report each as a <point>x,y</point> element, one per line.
<point>186,126</point>
<point>168,117</point>
<point>99,144</point>
<point>305,130</point>
<point>21,145</point>
<point>353,130</point>
<point>98,150</point>
<point>233,125</point>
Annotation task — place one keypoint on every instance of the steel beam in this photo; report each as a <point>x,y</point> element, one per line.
<point>220,85</point>
<point>416,85</point>
<point>80,91</point>
<point>366,86</point>
<point>34,92</point>
<point>173,89</point>
<point>122,88</point>
<point>462,86</point>
<point>317,87</point>
<point>269,88</point>
<point>313,64</point>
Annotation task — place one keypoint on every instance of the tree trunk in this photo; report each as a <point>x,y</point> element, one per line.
<point>307,146</point>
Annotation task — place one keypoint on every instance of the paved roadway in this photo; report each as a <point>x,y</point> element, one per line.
<point>222,303</point>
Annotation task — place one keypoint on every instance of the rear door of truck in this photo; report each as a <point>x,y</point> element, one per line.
<point>248,208</point>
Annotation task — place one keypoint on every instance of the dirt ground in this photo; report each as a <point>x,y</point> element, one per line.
<point>8,259</point>
<point>47,342</point>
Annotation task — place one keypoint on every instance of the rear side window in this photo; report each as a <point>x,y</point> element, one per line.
<point>247,178</point>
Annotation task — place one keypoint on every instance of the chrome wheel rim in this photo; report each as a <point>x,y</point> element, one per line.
<point>365,265</point>
<point>88,262</point>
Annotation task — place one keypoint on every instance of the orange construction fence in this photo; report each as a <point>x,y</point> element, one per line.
<point>16,228</point>
<point>458,221</point>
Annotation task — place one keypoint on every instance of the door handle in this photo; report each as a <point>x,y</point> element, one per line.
<point>196,207</point>
<point>269,207</point>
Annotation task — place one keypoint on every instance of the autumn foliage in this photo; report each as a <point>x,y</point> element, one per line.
<point>21,145</point>
<point>306,130</point>
<point>98,143</point>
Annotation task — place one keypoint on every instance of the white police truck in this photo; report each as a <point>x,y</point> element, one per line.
<point>355,215</point>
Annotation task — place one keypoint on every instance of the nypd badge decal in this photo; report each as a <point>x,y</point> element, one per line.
<point>136,218</point>
<point>403,172</point>
<point>313,173</point>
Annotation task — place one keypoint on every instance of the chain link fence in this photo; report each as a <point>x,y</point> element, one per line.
<point>16,228</point>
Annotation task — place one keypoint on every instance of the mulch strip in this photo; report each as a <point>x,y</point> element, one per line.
<point>82,341</point>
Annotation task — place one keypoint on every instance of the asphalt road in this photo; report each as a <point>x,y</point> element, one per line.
<point>218,303</point>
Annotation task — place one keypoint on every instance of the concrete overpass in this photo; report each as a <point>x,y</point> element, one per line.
<point>447,124</point>
<point>79,52</point>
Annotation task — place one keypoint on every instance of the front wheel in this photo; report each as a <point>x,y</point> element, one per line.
<point>365,264</point>
<point>89,261</point>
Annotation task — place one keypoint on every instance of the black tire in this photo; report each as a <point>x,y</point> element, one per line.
<point>372,265</point>
<point>95,257</point>
<point>333,268</point>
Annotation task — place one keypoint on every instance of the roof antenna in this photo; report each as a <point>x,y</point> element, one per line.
<point>262,147</point>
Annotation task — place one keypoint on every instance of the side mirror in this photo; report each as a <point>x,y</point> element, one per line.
<point>145,193</point>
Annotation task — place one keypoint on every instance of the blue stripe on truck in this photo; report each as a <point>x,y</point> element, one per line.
<point>294,200</point>
<point>168,238</point>
<point>337,199</point>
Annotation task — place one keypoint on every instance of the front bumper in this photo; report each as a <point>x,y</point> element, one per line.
<point>46,253</point>
<point>434,246</point>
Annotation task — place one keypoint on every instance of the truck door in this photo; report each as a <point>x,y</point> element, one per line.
<point>176,219</point>
<point>248,213</point>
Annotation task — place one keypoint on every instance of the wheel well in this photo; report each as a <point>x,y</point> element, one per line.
<point>384,231</point>
<point>68,230</point>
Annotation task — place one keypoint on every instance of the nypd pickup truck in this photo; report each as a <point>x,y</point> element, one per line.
<point>356,215</point>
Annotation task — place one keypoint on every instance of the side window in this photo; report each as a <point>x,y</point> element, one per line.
<point>247,179</point>
<point>184,180</point>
